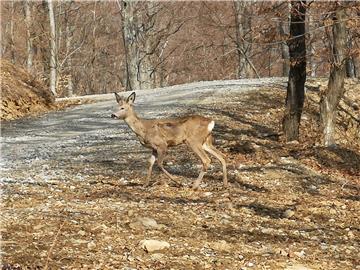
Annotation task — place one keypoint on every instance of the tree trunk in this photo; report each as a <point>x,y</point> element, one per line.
<point>53,49</point>
<point>68,37</point>
<point>129,29</point>
<point>243,34</point>
<point>350,66</point>
<point>29,41</point>
<point>311,26</point>
<point>12,39</point>
<point>335,90</point>
<point>297,73</point>
<point>284,51</point>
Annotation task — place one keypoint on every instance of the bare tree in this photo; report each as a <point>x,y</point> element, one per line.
<point>335,90</point>
<point>297,73</point>
<point>12,37</point>
<point>145,39</point>
<point>53,48</point>
<point>243,37</point>
<point>312,49</point>
<point>29,41</point>
<point>130,32</point>
<point>284,50</point>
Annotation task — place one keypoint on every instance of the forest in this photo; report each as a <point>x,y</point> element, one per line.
<point>92,47</point>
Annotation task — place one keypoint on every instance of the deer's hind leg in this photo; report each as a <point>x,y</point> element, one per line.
<point>199,151</point>
<point>210,148</point>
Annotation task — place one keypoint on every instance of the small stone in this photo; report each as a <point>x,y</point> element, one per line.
<point>351,235</point>
<point>288,213</point>
<point>221,245</point>
<point>267,230</point>
<point>250,264</point>
<point>153,245</point>
<point>157,256</point>
<point>91,245</point>
<point>297,267</point>
<point>307,219</point>
<point>82,233</point>
<point>148,222</point>
<point>39,227</point>
<point>300,254</point>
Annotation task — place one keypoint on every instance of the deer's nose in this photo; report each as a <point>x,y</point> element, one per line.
<point>113,116</point>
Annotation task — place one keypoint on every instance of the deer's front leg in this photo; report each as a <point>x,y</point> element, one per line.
<point>161,151</point>
<point>151,164</point>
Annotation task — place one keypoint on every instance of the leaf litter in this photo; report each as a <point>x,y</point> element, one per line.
<point>290,205</point>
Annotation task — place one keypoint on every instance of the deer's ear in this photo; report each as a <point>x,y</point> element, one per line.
<point>118,98</point>
<point>131,98</point>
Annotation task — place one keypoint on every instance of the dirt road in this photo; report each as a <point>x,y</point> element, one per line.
<point>88,134</point>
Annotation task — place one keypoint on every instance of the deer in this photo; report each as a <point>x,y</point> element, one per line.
<point>161,134</point>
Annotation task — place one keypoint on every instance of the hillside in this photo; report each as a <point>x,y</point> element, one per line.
<point>22,94</point>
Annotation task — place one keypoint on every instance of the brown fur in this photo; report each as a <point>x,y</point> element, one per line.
<point>159,134</point>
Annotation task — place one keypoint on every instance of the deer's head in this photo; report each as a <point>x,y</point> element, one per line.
<point>125,106</point>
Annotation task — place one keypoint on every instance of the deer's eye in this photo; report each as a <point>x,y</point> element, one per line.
<point>121,109</point>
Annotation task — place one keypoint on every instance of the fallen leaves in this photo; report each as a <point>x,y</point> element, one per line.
<point>289,206</point>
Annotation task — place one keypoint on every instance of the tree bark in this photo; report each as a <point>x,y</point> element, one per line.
<point>297,72</point>
<point>53,49</point>
<point>29,41</point>
<point>12,39</point>
<point>350,66</point>
<point>68,44</point>
<point>242,34</point>
<point>284,51</point>
<point>335,90</point>
<point>129,30</point>
<point>312,49</point>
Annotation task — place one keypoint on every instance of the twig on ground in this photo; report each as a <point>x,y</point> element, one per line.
<point>53,245</point>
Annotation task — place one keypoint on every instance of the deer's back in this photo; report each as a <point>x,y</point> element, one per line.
<point>179,130</point>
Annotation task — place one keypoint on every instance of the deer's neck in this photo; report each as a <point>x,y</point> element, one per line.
<point>136,125</point>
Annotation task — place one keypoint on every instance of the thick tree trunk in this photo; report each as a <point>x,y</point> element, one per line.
<point>335,90</point>
<point>297,73</point>
<point>29,42</point>
<point>145,66</point>
<point>138,42</point>
<point>53,49</point>
<point>129,30</point>
<point>243,34</point>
